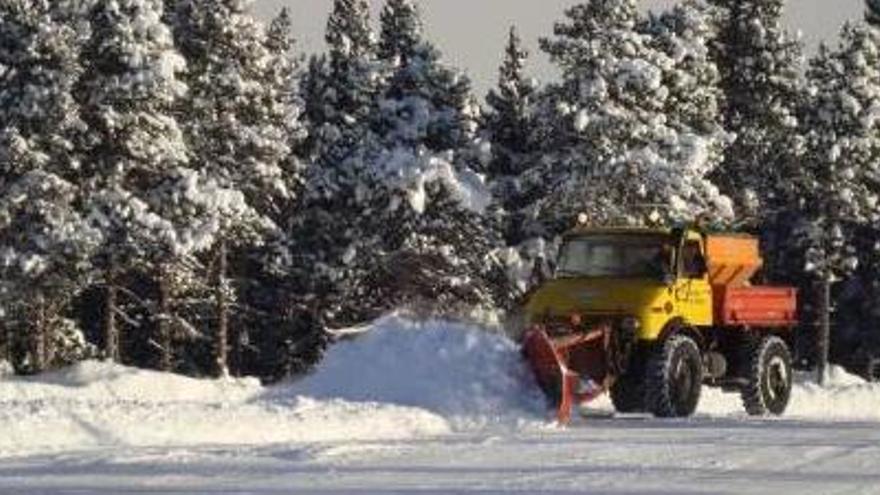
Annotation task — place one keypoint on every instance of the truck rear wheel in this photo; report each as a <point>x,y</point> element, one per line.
<point>768,375</point>
<point>674,378</point>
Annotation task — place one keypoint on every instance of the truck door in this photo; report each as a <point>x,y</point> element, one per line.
<point>693,294</point>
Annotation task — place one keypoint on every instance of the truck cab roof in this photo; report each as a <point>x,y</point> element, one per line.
<point>616,232</point>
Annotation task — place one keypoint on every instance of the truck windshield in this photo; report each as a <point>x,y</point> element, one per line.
<point>615,256</point>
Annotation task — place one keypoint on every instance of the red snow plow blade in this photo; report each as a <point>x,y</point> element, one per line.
<point>571,369</point>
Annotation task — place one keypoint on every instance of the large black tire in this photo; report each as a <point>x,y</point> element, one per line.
<point>674,378</point>
<point>628,393</point>
<point>768,378</point>
<point>627,362</point>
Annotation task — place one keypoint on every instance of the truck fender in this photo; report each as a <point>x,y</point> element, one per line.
<point>678,326</point>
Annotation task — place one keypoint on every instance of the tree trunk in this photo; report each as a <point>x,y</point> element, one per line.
<point>221,334</point>
<point>164,321</point>
<point>6,343</point>
<point>238,343</point>
<point>39,354</point>
<point>823,334</point>
<point>111,331</point>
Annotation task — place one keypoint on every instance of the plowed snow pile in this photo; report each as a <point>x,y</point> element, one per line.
<point>465,374</point>
<point>99,405</point>
<point>397,380</point>
<point>473,377</point>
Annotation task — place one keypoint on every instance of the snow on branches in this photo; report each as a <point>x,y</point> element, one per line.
<point>167,167</point>
<point>632,148</point>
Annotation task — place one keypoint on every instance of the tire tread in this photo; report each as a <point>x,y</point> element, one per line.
<point>752,393</point>
<point>658,395</point>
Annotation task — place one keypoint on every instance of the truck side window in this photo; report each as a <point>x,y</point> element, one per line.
<point>693,263</point>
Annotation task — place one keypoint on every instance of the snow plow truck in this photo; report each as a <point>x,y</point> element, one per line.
<point>653,315</point>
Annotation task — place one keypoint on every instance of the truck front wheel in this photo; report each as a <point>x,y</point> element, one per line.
<point>768,378</point>
<point>674,378</point>
<point>628,392</point>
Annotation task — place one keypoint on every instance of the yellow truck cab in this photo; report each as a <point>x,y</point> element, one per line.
<point>628,273</point>
<point>652,314</point>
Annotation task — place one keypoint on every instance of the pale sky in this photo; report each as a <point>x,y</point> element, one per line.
<point>471,33</point>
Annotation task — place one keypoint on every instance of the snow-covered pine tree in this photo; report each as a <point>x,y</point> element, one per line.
<point>760,64</point>
<point>283,77</point>
<point>401,31</point>
<point>339,91</point>
<point>684,34</point>
<point>864,305</point>
<point>238,118</point>
<point>40,118</point>
<point>351,45</point>
<point>142,195</point>
<point>232,114</point>
<point>840,184</point>
<point>437,244</point>
<point>872,12</point>
<point>341,87</point>
<point>509,119</point>
<point>260,281</point>
<point>618,157</point>
<point>397,221</point>
<point>425,102</point>
<point>278,34</point>
<point>312,89</point>
<point>761,67</point>
<point>855,339</point>
<point>510,127</point>
<point>45,242</point>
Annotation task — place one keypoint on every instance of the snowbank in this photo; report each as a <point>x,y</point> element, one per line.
<point>474,378</point>
<point>96,381</point>
<point>396,380</point>
<point>5,368</point>
<point>98,405</point>
<point>466,374</point>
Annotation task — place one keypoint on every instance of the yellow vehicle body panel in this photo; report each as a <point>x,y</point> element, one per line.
<point>652,302</point>
<point>693,302</point>
<point>693,295</point>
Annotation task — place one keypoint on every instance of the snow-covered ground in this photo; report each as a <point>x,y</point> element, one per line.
<point>413,407</point>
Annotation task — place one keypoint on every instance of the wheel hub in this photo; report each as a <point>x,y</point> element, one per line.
<point>682,381</point>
